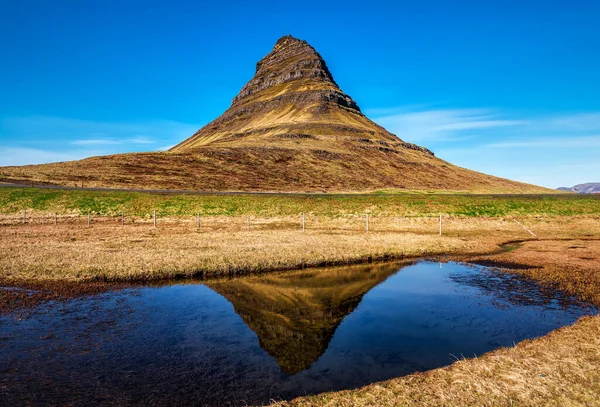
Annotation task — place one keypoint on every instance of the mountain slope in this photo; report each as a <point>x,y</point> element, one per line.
<point>290,128</point>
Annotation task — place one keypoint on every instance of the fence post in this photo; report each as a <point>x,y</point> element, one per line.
<point>198,220</point>
<point>440,224</point>
<point>24,215</point>
<point>154,218</point>
<point>303,223</point>
<point>89,216</point>
<point>122,219</point>
<point>248,223</point>
<point>367,223</point>
<point>54,218</point>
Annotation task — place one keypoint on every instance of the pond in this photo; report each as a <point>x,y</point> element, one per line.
<point>273,336</point>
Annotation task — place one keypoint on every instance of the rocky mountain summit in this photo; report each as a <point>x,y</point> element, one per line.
<point>290,129</point>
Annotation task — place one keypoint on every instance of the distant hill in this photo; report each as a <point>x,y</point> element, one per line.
<point>291,128</point>
<point>587,188</point>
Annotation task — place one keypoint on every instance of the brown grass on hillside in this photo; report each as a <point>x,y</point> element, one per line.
<point>270,167</point>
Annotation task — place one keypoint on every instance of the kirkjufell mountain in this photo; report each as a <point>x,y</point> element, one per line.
<point>290,129</point>
<point>293,96</point>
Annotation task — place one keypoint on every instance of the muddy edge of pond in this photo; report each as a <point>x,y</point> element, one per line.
<point>540,259</point>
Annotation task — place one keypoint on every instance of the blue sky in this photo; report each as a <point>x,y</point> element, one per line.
<point>509,88</point>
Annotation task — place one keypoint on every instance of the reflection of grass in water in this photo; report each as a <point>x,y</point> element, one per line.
<point>296,314</point>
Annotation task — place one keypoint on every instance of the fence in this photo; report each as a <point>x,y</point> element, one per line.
<point>366,223</point>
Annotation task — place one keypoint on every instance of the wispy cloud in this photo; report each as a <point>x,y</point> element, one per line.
<point>440,124</point>
<point>108,141</point>
<point>552,142</point>
<point>21,156</point>
<point>557,149</point>
<point>94,142</point>
<point>36,139</point>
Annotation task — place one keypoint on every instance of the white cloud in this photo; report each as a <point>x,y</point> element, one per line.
<point>440,124</point>
<point>96,141</point>
<point>39,139</point>
<point>559,149</point>
<point>22,156</point>
<point>84,132</point>
<point>552,142</point>
<point>106,141</point>
<point>577,122</point>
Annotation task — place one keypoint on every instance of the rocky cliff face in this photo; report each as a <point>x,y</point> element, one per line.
<point>293,60</point>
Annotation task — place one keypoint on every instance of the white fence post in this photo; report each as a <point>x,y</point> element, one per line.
<point>440,224</point>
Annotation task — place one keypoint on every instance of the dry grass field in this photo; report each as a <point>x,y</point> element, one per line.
<point>108,251</point>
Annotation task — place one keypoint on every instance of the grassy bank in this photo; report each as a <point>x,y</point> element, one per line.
<point>15,200</point>
<point>107,251</point>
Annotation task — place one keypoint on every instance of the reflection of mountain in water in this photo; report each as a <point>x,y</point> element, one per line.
<point>295,314</point>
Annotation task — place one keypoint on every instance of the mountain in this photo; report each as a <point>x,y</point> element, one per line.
<point>291,128</point>
<point>587,188</point>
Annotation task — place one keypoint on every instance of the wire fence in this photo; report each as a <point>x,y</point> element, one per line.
<point>303,221</point>
<point>366,223</point>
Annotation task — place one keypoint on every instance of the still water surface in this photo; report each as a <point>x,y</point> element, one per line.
<point>276,336</point>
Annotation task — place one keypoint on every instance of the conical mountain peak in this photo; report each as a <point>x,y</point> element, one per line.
<point>292,94</point>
